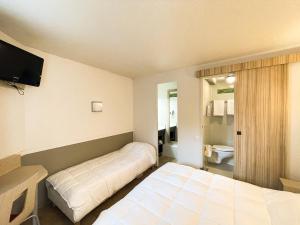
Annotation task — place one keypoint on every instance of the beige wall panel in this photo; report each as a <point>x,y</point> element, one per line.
<point>261,102</point>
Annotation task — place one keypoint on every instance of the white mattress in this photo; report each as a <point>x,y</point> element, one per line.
<point>86,185</point>
<point>181,195</point>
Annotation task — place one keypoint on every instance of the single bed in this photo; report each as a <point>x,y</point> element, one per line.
<point>77,190</point>
<point>181,195</point>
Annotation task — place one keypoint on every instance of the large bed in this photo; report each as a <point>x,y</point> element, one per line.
<point>78,190</point>
<point>181,195</point>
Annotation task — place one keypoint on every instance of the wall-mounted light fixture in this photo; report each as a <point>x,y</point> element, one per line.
<point>230,79</point>
<point>96,106</point>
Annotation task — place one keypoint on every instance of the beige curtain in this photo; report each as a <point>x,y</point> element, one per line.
<point>261,118</point>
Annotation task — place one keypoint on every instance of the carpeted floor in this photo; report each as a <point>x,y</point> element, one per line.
<point>53,216</point>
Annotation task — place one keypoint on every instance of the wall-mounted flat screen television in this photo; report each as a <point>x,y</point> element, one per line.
<point>19,66</point>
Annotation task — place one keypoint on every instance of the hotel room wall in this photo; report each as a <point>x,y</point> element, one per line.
<point>293,150</point>
<point>12,115</point>
<point>58,113</point>
<point>145,112</point>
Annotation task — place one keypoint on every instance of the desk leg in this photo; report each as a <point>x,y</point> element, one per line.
<point>35,218</point>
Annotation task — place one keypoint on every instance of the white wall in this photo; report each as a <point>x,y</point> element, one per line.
<point>145,112</point>
<point>293,151</point>
<point>58,112</point>
<point>224,96</point>
<point>12,121</point>
<point>12,116</point>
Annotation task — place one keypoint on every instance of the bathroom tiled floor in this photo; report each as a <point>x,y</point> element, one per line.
<point>221,169</point>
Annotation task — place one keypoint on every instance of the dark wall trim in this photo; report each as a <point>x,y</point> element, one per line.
<point>61,158</point>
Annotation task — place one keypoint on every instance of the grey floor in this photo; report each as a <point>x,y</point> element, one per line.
<point>53,216</point>
<point>221,169</point>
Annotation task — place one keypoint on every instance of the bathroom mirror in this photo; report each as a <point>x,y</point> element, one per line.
<point>172,96</point>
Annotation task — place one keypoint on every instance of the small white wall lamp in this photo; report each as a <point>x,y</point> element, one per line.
<point>230,79</point>
<point>96,106</point>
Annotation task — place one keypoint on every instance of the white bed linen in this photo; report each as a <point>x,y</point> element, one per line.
<point>86,185</point>
<point>180,195</point>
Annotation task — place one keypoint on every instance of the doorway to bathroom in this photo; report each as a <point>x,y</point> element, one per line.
<point>167,110</point>
<point>218,124</point>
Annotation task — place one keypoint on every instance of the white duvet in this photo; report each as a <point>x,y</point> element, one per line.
<point>181,195</point>
<point>86,185</point>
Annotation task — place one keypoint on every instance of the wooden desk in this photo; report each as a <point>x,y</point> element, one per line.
<point>13,184</point>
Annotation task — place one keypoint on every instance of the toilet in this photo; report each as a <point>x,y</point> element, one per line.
<point>220,152</point>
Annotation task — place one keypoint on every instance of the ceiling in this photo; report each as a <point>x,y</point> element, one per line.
<point>144,37</point>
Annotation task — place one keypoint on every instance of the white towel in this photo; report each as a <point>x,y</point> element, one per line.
<point>208,151</point>
<point>219,107</point>
<point>230,107</point>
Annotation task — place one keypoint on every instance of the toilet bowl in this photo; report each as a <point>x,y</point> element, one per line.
<point>220,152</point>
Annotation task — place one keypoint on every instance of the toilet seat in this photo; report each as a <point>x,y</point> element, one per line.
<point>220,152</point>
<point>222,148</point>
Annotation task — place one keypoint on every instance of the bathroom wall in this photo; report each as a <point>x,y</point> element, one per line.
<point>218,130</point>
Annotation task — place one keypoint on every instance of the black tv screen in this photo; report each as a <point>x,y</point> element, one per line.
<point>19,66</point>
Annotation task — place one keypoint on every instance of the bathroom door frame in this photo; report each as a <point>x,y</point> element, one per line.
<point>156,117</point>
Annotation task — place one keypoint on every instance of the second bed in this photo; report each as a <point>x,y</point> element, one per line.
<point>76,191</point>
